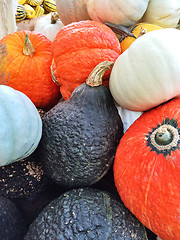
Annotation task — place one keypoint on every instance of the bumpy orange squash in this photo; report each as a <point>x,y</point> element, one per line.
<point>77,49</point>
<point>147,169</point>
<point>26,67</point>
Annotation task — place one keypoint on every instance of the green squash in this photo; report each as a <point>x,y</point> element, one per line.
<point>87,214</point>
<point>12,223</point>
<point>80,135</point>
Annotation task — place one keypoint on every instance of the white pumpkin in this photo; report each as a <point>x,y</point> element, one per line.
<point>20,126</point>
<point>49,25</point>
<point>127,117</point>
<point>117,11</point>
<point>165,13</point>
<point>148,72</point>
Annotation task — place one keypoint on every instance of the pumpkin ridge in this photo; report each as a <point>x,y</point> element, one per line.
<point>85,49</point>
<point>16,40</point>
<point>11,62</point>
<point>5,110</point>
<point>109,40</point>
<point>148,185</point>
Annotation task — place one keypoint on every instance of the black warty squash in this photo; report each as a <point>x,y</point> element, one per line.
<point>81,134</point>
<point>86,214</point>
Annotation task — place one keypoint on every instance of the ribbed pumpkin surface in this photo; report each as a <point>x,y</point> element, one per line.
<point>78,48</point>
<point>30,75</point>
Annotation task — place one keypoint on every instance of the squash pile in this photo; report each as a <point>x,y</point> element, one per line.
<point>90,120</point>
<point>28,9</point>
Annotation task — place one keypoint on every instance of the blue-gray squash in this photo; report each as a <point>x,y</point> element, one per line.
<point>20,126</point>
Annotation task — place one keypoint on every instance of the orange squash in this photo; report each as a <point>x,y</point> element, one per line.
<point>147,169</point>
<point>26,67</point>
<point>137,30</point>
<point>77,49</point>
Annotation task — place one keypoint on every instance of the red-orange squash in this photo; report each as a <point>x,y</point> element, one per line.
<point>147,169</point>
<point>26,67</point>
<point>77,49</point>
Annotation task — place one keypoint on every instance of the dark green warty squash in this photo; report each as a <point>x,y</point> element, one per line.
<point>81,134</point>
<point>86,214</point>
<point>12,224</point>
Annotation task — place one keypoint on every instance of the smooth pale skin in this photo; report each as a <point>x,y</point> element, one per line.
<point>7,17</point>
<point>72,10</point>
<point>44,26</point>
<point>20,126</point>
<point>117,11</point>
<point>147,73</point>
<point>127,117</point>
<point>165,13</point>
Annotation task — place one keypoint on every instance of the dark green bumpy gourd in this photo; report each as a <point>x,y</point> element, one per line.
<point>12,224</point>
<point>86,214</point>
<point>80,135</point>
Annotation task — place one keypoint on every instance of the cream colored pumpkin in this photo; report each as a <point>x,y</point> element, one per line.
<point>165,13</point>
<point>117,11</point>
<point>147,73</point>
<point>49,25</point>
<point>72,10</point>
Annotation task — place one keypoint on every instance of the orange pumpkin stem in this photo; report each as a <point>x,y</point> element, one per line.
<point>95,77</point>
<point>28,49</point>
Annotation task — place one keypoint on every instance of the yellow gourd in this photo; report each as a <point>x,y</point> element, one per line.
<point>22,1</point>
<point>39,11</point>
<point>35,2</point>
<point>30,12</point>
<point>137,30</point>
<point>49,5</point>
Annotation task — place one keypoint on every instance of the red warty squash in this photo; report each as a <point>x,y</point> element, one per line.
<point>147,169</point>
<point>26,67</point>
<point>77,49</point>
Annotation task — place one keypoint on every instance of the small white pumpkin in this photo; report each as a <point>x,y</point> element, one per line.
<point>49,25</point>
<point>20,126</point>
<point>117,11</point>
<point>165,13</point>
<point>147,73</point>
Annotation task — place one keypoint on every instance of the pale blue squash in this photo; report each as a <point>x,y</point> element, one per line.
<point>20,126</point>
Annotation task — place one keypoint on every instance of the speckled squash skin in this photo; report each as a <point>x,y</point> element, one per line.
<point>80,137</point>
<point>86,214</point>
<point>23,178</point>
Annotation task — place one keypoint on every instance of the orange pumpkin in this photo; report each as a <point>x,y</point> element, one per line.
<point>77,49</point>
<point>147,169</point>
<point>26,67</point>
